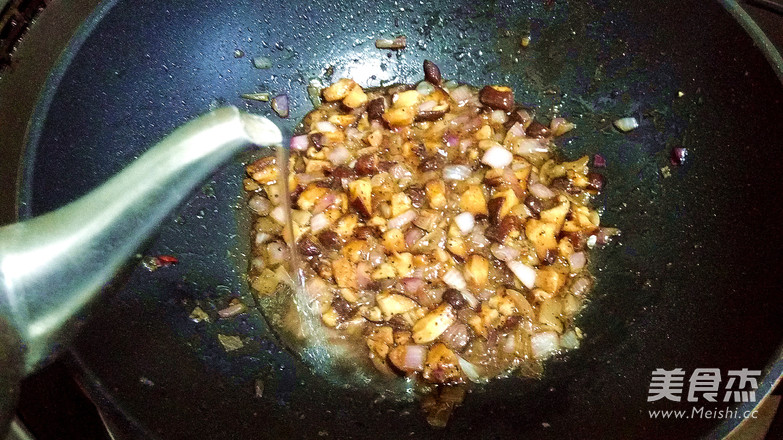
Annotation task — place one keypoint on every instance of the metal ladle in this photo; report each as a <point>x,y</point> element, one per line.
<point>52,266</point>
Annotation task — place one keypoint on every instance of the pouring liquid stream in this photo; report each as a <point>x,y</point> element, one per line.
<point>296,315</point>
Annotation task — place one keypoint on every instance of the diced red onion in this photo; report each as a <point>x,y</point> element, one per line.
<point>465,222</point>
<point>569,340</point>
<point>498,116</point>
<point>524,117</point>
<point>279,214</point>
<point>306,178</point>
<point>411,285</point>
<point>451,139</point>
<point>525,273</point>
<point>299,143</point>
<point>555,124</point>
<point>412,235</point>
<point>626,124</point>
<point>470,370</point>
<point>339,155</point>
<point>603,235</point>
<point>353,133</point>
<point>427,105</point>
<point>497,157</point>
<point>260,204</point>
<point>427,220</point>
<point>280,105</point>
<point>461,94</point>
<point>577,260</point>
<point>414,357</point>
<point>456,336</point>
<point>398,171</point>
<point>678,155</point>
<point>454,279</point>
<point>276,252</point>
<point>319,222</point>
<point>376,256</point>
<point>430,297</point>
<point>467,122</point>
<point>456,172</point>
<point>232,310</point>
<point>541,191</point>
<point>402,219</point>
<point>511,178</point>
<point>517,130</point>
<point>580,286</point>
<point>258,263</point>
<point>464,144</point>
<point>529,146</point>
<point>479,239</point>
<point>504,253</point>
<point>544,344</point>
<point>599,161</point>
<point>316,288</point>
<point>425,88</point>
<point>486,293</point>
<point>262,237</point>
<point>559,126</point>
<point>473,302</point>
<point>325,127</point>
<point>325,202</point>
<point>533,178</point>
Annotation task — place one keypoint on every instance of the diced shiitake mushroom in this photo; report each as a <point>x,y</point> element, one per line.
<point>344,273</point>
<point>346,225</point>
<point>542,235</point>
<point>509,201</point>
<point>557,214</point>
<point>361,196</point>
<point>394,304</point>
<point>442,365</point>
<point>550,280</point>
<point>310,197</point>
<point>476,271</point>
<point>355,97</point>
<point>433,324</point>
<point>436,193</point>
<point>355,250</point>
<point>402,263</point>
<point>264,171</point>
<point>384,271</point>
<point>394,240</point>
<point>473,200</point>
<point>380,339</point>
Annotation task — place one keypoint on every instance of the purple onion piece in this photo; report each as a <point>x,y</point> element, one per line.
<point>678,155</point>
<point>280,105</point>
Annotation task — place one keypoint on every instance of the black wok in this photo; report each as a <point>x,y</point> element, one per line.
<point>694,281</point>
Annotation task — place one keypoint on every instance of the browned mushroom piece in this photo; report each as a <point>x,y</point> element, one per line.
<point>497,97</point>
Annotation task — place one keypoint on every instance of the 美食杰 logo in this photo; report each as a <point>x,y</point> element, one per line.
<point>706,386</point>
<point>704,383</point>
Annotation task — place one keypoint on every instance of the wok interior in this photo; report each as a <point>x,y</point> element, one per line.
<point>692,282</point>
